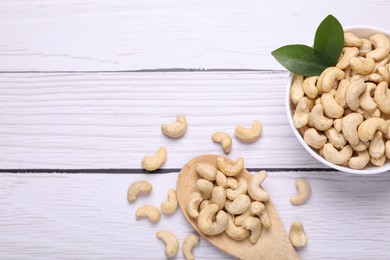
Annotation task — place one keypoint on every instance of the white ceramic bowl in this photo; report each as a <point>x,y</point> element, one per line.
<point>364,32</point>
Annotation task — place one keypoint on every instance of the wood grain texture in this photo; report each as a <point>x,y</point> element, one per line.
<point>126,35</point>
<point>112,120</point>
<point>88,216</point>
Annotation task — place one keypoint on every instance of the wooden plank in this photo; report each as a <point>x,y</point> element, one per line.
<point>112,120</point>
<point>138,34</point>
<point>87,216</point>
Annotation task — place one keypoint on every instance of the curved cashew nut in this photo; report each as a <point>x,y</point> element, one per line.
<point>366,100</point>
<point>373,77</point>
<point>136,188</point>
<point>189,243</point>
<point>377,146</point>
<point>338,124</point>
<point>384,73</point>
<point>254,226</point>
<point>337,139</point>
<point>238,220</point>
<point>258,209</point>
<point>231,194</point>
<point>319,121</point>
<point>169,207</point>
<point>367,129</point>
<point>239,205</point>
<point>351,40</point>
<point>387,148</point>
<point>382,97</point>
<point>204,204</point>
<point>349,127</point>
<point>177,129</point>
<point>362,65</point>
<point>353,93</point>
<point>309,87</point>
<point>296,91</point>
<point>218,197</point>
<point>360,146</point>
<point>192,204</point>
<point>341,93</point>
<point>205,187</point>
<point>205,220</point>
<point>378,162</point>
<point>152,163</point>
<point>171,242</point>
<point>236,232</point>
<point>206,171</point>
<point>220,179</point>
<point>348,53</point>
<point>231,183</point>
<point>328,77</point>
<point>150,212</point>
<point>360,161</point>
<point>228,168</point>
<point>254,187</point>
<point>224,139</point>
<point>304,191</point>
<point>365,48</point>
<point>249,135</point>
<point>337,157</point>
<point>314,139</point>
<point>331,107</point>
<point>301,114</point>
<point>381,47</point>
<point>297,235</point>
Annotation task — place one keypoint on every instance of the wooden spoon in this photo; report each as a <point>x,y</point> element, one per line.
<point>273,243</point>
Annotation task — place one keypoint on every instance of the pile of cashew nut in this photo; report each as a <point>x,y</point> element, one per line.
<point>224,203</point>
<point>344,114</point>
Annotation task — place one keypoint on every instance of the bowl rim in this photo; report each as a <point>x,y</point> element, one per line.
<point>321,159</point>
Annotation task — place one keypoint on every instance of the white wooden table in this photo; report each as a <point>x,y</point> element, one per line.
<point>85,86</point>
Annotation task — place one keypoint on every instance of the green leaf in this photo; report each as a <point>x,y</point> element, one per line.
<point>301,59</point>
<point>329,38</point>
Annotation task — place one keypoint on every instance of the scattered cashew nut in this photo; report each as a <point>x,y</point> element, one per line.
<point>177,129</point>
<point>136,188</point>
<point>169,207</point>
<point>304,191</point>
<point>254,187</point>
<point>249,135</point>
<point>150,212</point>
<point>171,242</point>
<point>189,243</point>
<point>152,163</point>
<point>297,235</point>
<point>224,139</point>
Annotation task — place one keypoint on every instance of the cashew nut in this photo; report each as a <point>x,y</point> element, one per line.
<point>301,114</point>
<point>192,204</point>
<point>319,121</point>
<point>204,204</point>
<point>136,188</point>
<point>385,74</point>
<point>337,139</point>
<point>382,97</point>
<point>254,187</point>
<point>309,87</point>
<point>365,48</point>
<point>231,194</point>
<point>224,139</point>
<point>381,47</point>
<point>205,187</point>
<point>338,124</point>
<point>239,205</point>
<point>328,77</point>
<point>226,182</point>
<point>361,146</point>
<point>236,232</point>
<point>387,148</point>
<point>297,235</point>
<point>249,135</point>
<point>337,157</point>
<point>189,243</point>
<point>373,77</point>
<point>378,162</point>
<point>206,171</point>
<point>304,191</point>
<point>257,208</point>
<point>231,183</point>
<point>230,169</point>
<point>360,161</point>
<point>254,226</point>
<point>349,127</point>
<point>362,65</point>
<point>296,91</point>
<point>367,129</point>
<point>314,139</point>
<point>331,107</point>
<point>238,220</point>
<point>377,146</point>
<point>205,220</point>
<point>177,129</point>
<point>351,40</point>
<point>348,53</point>
<point>218,197</point>
<point>354,91</point>
<point>152,163</point>
<point>341,93</point>
<point>366,100</point>
<point>171,242</point>
<point>169,207</point>
<point>150,212</point>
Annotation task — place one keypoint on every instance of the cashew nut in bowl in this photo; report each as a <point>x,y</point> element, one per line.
<point>236,232</point>
<point>361,146</point>
<point>239,205</point>
<point>378,162</point>
<point>362,65</point>
<point>136,188</point>
<point>205,187</point>
<point>350,127</point>
<point>381,47</point>
<point>301,114</point>
<point>366,100</point>
<point>254,226</point>
<point>338,124</point>
<point>314,139</point>
<point>367,129</point>
<point>177,129</point>
<point>169,207</point>
<point>337,157</point>
<point>360,161</point>
<point>296,91</point>
<point>189,243</point>
<point>218,197</point>
<point>304,191</point>
<point>309,87</point>
<point>319,121</point>
<point>341,93</point>
<point>328,77</point>
<point>377,146</point>
<point>171,242</point>
<point>385,74</point>
<point>150,212</point>
<point>206,171</point>
<point>230,169</point>
<point>354,91</point>
<point>254,187</point>
<point>224,139</point>
<point>336,138</point>
<point>249,135</point>
<point>348,53</point>
<point>192,204</point>
<point>231,194</point>
<point>382,97</point>
<point>331,107</point>
<point>205,220</point>
<point>152,163</point>
<point>365,48</point>
<point>297,235</point>
<point>351,40</point>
